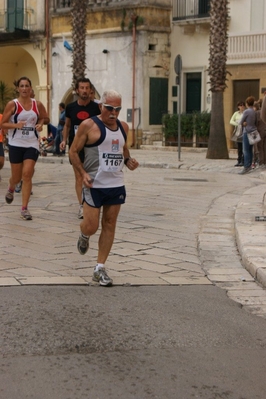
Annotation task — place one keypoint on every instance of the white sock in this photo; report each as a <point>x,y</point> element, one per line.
<point>83,235</point>
<point>99,266</point>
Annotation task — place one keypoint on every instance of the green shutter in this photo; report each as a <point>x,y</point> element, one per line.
<point>15,14</point>
<point>158,100</point>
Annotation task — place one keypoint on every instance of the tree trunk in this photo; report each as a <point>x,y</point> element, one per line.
<point>79,21</point>
<point>217,146</point>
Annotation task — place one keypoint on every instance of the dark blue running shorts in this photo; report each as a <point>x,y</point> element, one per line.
<point>20,154</point>
<point>97,197</point>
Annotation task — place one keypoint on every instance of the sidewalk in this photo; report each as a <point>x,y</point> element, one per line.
<point>250,234</point>
<point>44,259</point>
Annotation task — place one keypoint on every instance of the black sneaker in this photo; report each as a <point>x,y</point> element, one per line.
<point>9,197</point>
<point>102,277</point>
<point>83,244</point>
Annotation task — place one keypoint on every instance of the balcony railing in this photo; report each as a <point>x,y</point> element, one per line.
<point>247,47</point>
<point>61,4</point>
<point>190,9</point>
<point>11,19</point>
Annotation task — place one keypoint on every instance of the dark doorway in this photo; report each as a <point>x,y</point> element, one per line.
<point>193,92</point>
<point>245,88</point>
<point>158,100</point>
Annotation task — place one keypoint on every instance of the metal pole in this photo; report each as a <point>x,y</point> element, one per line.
<point>179,121</point>
<point>134,21</point>
<point>178,70</point>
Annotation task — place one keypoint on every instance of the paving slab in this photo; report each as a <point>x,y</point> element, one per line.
<point>172,231</point>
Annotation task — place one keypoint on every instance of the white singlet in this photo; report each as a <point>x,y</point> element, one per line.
<point>27,136</point>
<point>104,160</point>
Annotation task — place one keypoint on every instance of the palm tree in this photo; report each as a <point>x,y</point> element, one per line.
<point>79,22</point>
<point>6,94</point>
<point>217,147</point>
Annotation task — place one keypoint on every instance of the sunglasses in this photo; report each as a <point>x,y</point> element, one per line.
<point>111,108</point>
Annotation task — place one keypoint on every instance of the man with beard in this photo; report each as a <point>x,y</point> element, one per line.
<point>77,112</point>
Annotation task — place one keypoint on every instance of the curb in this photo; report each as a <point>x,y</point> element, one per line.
<point>250,234</point>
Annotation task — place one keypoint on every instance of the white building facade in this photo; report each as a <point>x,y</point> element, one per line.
<point>137,65</point>
<point>246,54</point>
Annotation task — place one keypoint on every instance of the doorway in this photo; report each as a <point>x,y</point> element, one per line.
<point>244,89</point>
<point>193,92</point>
<point>158,100</point>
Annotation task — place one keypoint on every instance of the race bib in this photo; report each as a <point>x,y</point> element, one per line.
<point>112,162</point>
<point>26,131</point>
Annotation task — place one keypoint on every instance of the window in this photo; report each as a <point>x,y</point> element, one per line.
<point>184,9</point>
<point>15,15</point>
<point>152,47</point>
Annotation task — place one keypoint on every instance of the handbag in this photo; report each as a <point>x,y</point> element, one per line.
<point>237,133</point>
<point>253,137</point>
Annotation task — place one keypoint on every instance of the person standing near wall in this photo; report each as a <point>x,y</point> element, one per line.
<point>60,127</point>
<point>263,108</point>
<point>2,152</point>
<point>248,122</point>
<point>239,141</point>
<point>261,127</point>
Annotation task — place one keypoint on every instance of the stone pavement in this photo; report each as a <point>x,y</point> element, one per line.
<point>154,244</point>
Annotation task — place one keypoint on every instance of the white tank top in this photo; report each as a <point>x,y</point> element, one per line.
<point>104,160</point>
<point>27,136</point>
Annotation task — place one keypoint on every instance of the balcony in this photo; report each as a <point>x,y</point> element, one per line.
<point>17,18</point>
<point>66,4</point>
<point>248,47</point>
<point>62,4</point>
<point>190,9</point>
<point>191,15</point>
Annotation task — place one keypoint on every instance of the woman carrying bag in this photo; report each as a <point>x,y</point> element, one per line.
<point>248,122</point>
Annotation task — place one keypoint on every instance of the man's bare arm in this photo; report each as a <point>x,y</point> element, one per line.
<point>78,144</point>
<point>130,163</point>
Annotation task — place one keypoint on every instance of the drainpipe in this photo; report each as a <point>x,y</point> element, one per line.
<point>47,34</point>
<point>134,21</point>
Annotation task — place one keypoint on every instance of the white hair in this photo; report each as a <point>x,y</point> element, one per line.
<point>110,94</point>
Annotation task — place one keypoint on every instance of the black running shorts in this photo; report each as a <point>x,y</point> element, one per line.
<point>20,154</point>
